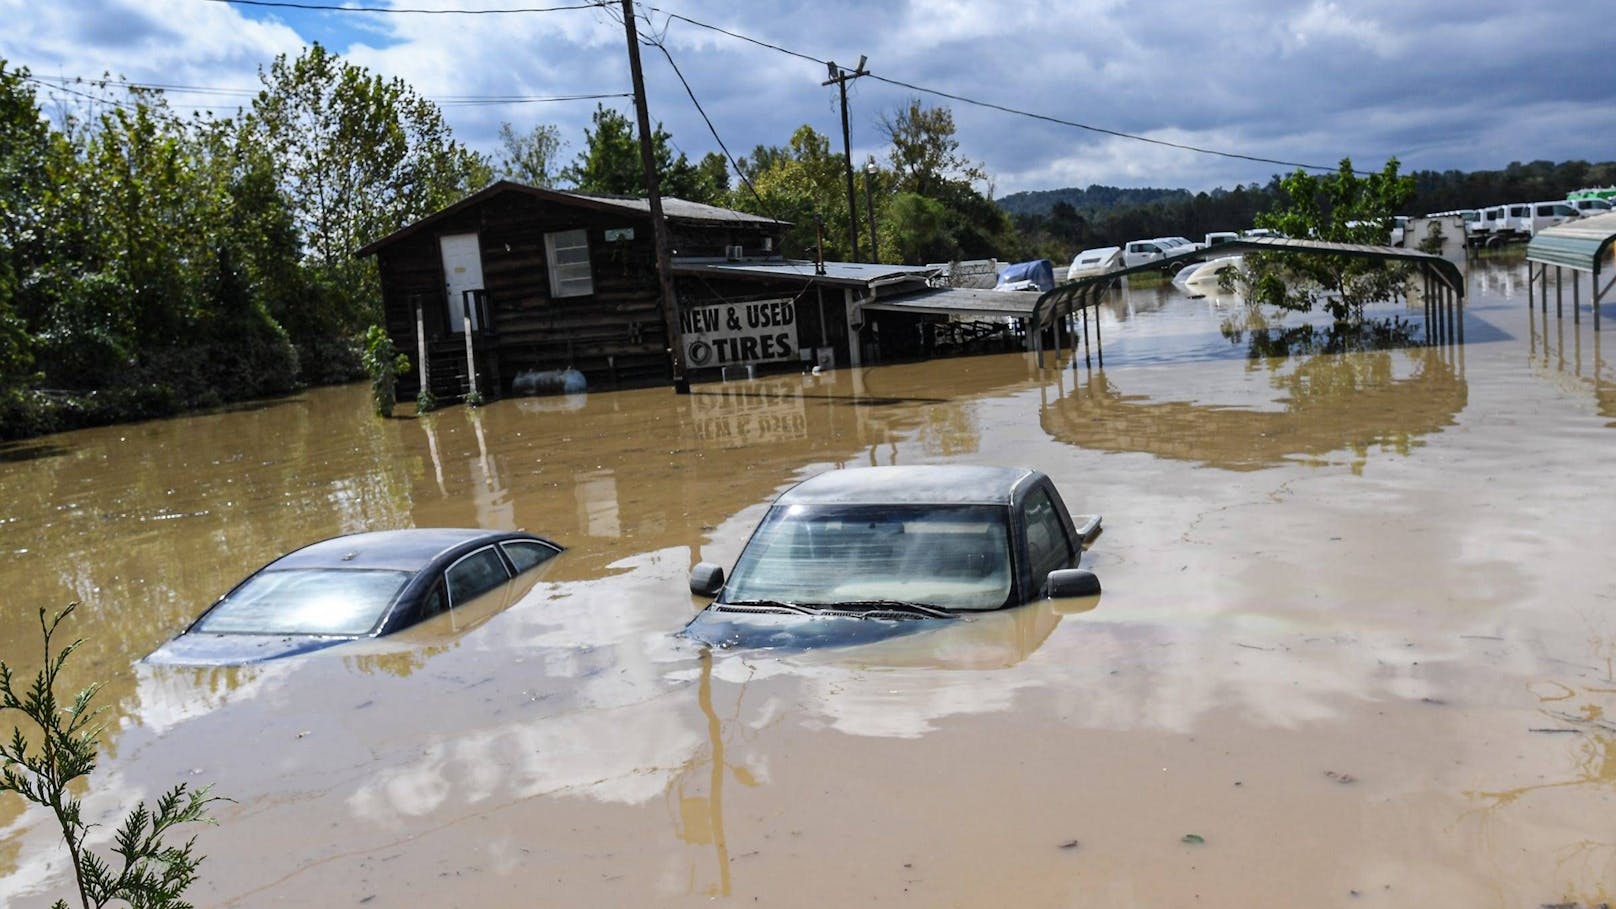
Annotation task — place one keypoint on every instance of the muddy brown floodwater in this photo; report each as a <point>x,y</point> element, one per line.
<point>1358,635</point>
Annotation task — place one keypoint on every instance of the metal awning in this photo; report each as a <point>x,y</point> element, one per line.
<point>1578,244</point>
<point>961,302</point>
<point>1086,292</point>
<point>858,275</point>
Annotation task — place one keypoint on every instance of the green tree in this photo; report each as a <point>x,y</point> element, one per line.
<point>359,156</point>
<point>1341,207</point>
<point>803,183</point>
<point>925,152</point>
<point>25,148</point>
<point>45,767</point>
<point>532,157</point>
<point>610,163</point>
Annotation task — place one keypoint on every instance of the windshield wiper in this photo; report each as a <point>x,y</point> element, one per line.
<point>773,605</point>
<point>902,606</point>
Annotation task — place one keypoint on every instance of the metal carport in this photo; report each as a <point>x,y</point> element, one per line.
<point>1440,276</point>
<point>1579,245</point>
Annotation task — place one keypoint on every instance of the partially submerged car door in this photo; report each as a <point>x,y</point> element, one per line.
<point>1052,542</point>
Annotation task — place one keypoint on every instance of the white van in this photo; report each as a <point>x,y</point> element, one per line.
<point>1517,220</point>
<point>1549,214</point>
<point>1589,207</point>
<point>1096,261</point>
<point>1219,236</point>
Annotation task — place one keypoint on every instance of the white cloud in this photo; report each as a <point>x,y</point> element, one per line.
<point>1445,84</point>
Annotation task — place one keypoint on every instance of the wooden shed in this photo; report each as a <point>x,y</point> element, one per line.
<point>546,279</point>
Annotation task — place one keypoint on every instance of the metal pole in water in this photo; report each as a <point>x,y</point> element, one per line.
<point>1458,309</point>
<point>1576,298</point>
<point>1559,293</point>
<point>471,359</point>
<point>1086,336</point>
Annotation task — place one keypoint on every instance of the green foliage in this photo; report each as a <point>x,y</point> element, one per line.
<point>925,153</point>
<point>797,183</point>
<point>148,871</point>
<point>383,363</point>
<point>1341,208</point>
<point>610,163</point>
<point>425,401</point>
<point>24,182</point>
<point>532,157</point>
<point>358,156</point>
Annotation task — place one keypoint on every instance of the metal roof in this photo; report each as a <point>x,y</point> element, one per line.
<point>1085,291</point>
<point>935,484</point>
<point>961,301</point>
<point>840,274</point>
<point>676,210</point>
<point>1578,244</point>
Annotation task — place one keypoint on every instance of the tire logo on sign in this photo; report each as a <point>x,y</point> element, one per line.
<point>700,353</point>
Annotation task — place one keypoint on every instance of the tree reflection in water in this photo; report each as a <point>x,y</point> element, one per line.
<point>1342,388</point>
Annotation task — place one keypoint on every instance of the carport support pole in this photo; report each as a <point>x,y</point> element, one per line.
<point>1086,362</point>
<point>1458,312</point>
<point>1559,293</point>
<point>1099,346</point>
<point>1055,327</point>
<point>1576,299</point>
<point>1599,293</point>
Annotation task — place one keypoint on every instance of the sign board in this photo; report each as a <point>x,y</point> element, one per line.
<point>729,334</point>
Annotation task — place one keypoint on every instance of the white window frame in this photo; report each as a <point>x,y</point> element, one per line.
<point>570,275</point>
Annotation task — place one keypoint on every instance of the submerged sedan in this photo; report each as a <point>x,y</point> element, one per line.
<point>856,555</point>
<point>363,585</point>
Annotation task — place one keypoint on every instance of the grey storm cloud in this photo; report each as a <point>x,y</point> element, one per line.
<point>1440,84</point>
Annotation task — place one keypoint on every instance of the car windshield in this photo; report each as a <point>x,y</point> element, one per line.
<point>950,556</point>
<point>339,601</point>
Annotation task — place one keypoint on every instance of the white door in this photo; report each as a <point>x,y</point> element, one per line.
<point>462,271</point>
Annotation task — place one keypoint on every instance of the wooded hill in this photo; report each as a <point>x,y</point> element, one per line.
<point>1055,224</point>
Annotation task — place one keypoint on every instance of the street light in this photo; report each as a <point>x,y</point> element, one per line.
<point>870,171</point>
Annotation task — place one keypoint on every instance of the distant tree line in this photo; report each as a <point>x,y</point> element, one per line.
<point>1055,224</point>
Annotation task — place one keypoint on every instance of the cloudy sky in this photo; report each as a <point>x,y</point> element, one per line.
<point>1467,84</point>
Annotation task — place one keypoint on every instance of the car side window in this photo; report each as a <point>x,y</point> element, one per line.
<point>433,603</point>
<point>1048,547</point>
<point>525,554</point>
<point>475,574</point>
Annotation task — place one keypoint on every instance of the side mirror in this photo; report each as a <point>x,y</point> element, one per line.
<point>706,579</point>
<point>1070,582</point>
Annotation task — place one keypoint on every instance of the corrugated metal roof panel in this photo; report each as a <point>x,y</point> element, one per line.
<point>960,301</point>
<point>1574,244</point>
<point>848,274</point>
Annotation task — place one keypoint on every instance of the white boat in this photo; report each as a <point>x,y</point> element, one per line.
<point>1095,261</point>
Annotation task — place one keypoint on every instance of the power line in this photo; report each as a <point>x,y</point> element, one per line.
<point>1004,108</point>
<point>710,128</point>
<point>337,8</point>
<point>62,82</point>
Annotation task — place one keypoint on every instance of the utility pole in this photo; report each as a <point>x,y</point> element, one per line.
<point>841,77</point>
<point>653,192</point>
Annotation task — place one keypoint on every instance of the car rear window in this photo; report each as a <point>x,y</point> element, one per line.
<point>337,601</point>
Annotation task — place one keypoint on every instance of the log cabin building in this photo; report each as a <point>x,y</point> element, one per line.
<point>549,280</point>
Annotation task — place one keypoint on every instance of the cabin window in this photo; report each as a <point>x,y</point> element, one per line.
<point>567,253</point>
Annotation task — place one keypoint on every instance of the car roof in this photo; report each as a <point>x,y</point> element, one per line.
<point>406,550</point>
<point>950,484</point>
